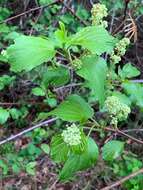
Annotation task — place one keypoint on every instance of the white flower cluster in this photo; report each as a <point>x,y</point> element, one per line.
<point>77,63</point>
<point>117,109</point>
<point>99,11</point>
<point>119,50</point>
<point>72,135</point>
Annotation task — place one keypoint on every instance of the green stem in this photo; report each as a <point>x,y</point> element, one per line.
<point>91,129</point>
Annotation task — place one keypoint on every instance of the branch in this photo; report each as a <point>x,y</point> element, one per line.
<point>73,13</point>
<point>137,81</point>
<point>20,103</point>
<point>133,130</point>
<point>29,11</point>
<point>67,86</point>
<point>124,134</point>
<point>123,180</point>
<point>13,137</point>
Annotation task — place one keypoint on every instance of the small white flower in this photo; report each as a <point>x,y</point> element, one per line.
<point>77,63</point>
<point>99,11</point>
<point>115,58</point>
<point>72,135</point>
<point>117,109</point>
<point>119,51</point>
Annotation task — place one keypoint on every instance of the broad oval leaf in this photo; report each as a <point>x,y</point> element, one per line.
<point>128,71</point>
<point>28,52</point>
<point>59,149</point>
<point>45,148</point>
<point>112,150</point>
<point>73,109</point>
<point>30,168</point>
<point>135,92</point>
<point>4,115</point>
<point>94,38</point>
<point>37,91</point>
<point>56,76</point>
<point>78,162</point>
<point>94,70</point>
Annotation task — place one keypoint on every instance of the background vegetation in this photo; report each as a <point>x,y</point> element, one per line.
<point>71,94</point>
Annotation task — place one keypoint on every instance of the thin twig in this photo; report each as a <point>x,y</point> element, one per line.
<point>13,137</point>
<point>124,134</point>
<point>133,130</point>
<point>67,86</point>
<point>20,103</point>
<point>137,81</point>
<point>38,17</point>
<point>118,28</point>
<point>112,21</point>
<point>29,11</point>
<point>120,182</point>
<point>53,185</point>
<point>73,13</point>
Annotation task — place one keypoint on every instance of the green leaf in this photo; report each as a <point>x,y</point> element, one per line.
<point>15,113</point>
<point>4,167</point>
<point>3,59</point>
<point>13,35</point>
<point>59,149</point>
<point>135,92</point>
<point>5,80</point>
<point>45,2</point>
<point>42,116</point>
<point>73,109</point>
<point>4,115</point>
<point>28,52</point>
<point>4,28</point>
<point>94,38</point>
<point>128,71</point>
<point>38,91</point>
<point>4,12</point>
<point>55,76</point>
<point>45,148</point>
<point>112,150</point>
<point>94,70</point>
<point>78,149</point>
<point>78,162</point>
<point>52,102</point>
<point>30,168</point>
<point>31,150</point>
<point>110,5</point>
<point>16,168</point>
<point>61,36</point>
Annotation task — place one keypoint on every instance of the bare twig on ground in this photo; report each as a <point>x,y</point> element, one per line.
<point>53,185</point>
<point>13,137</point>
